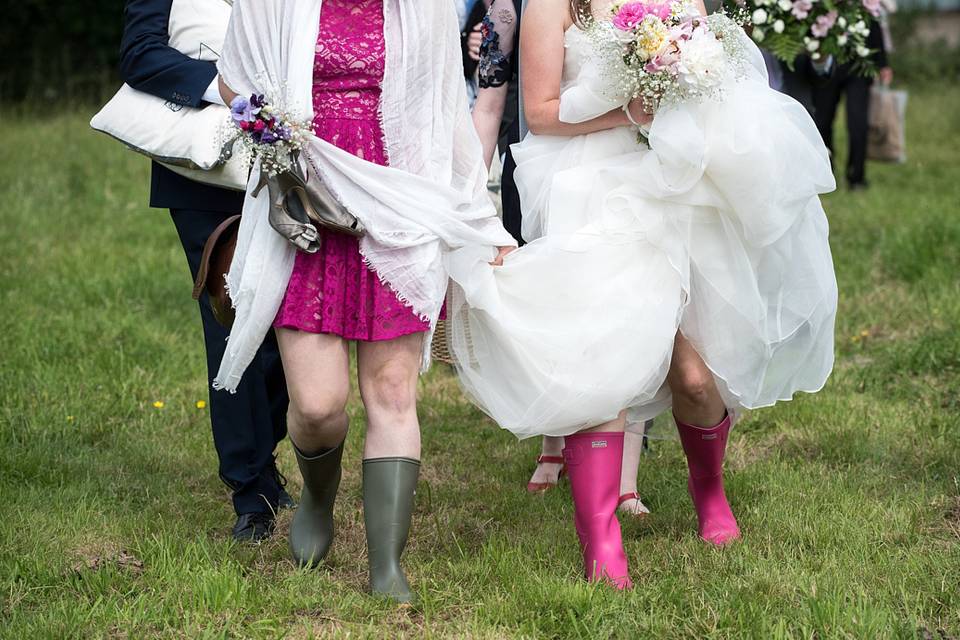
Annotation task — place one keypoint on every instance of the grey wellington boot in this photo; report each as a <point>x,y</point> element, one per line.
<point>311,531</point>
<point>389,485</point>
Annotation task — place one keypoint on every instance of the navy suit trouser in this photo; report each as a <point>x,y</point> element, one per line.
<point>248,424</point>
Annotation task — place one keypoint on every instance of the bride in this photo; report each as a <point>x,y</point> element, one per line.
<point>693,274</point>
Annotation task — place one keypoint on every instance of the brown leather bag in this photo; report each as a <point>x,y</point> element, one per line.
<point>214,264</point>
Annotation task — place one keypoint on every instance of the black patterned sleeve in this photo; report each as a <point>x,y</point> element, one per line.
<point>496,50</point>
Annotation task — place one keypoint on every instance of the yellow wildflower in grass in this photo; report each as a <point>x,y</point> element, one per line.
<point>158,404</point>
<point>865,333</point>
<point>201,404</point>
<point>70,418</point>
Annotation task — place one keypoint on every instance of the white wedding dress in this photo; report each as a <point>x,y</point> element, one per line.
<point>716,230</point>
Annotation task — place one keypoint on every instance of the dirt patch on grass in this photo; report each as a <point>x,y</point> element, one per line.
<point>744,451</point>
<point>99,557</point>
<point>404,621</point>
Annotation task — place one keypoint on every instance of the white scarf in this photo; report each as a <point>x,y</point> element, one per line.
<point>428,215</point>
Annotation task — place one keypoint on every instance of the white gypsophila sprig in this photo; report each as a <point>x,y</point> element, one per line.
<point>279,154</point>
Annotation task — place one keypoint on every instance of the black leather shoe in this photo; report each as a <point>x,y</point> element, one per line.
<point>253,527</point>
<point>284,500</point>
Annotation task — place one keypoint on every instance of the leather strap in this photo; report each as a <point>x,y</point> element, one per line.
<point>633,495</point>
<point>550,459</point>
<point>201,282</point>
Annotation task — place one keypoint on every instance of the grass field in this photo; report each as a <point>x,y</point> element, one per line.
<point>113,522</point>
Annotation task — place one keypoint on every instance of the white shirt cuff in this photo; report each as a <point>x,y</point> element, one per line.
<point>212,94</point>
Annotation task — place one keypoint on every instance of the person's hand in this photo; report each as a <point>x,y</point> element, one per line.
<point>638,113</point>
<point>501,253</point>
<point>474,40</point>
<point>886,76</point>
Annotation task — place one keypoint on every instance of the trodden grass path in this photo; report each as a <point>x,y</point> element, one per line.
<point>113,522</point>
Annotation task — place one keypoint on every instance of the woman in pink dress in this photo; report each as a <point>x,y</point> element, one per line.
<point>332,298</point>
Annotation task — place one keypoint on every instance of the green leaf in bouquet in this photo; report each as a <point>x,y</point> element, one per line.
<point>784,46</point>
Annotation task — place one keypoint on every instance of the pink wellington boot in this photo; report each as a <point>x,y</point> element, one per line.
<point>705,449</point>
<point>593,465</point>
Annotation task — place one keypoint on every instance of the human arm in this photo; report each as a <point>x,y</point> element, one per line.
<point>495,73</point>
<point>875,42</point>
<point>542,34</point>
<point>149,64</point>
<point>226,93</point>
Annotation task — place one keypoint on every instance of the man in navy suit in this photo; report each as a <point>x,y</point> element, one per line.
<point>247,425</point>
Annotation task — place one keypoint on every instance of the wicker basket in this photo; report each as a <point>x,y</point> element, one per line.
<point>440,347</point>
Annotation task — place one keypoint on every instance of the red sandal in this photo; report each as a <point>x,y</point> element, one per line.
<point>541,487</point>
<point>633,495</point>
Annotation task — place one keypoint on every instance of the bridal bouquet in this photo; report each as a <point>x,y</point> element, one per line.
<point>819,28</point>
<point>262,131</point>
<point>668,52</point>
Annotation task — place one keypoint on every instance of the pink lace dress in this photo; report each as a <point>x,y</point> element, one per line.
<point>333,291</point>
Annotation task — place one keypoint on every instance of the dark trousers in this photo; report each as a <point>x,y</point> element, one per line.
<point>510,198</point>
<point>248,424</point>
<point>826,97</point>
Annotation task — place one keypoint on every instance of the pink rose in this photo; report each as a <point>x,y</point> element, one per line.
<point>259,126</point>
<point>824,23</point>
<point>801,9</point>
<point>629,16</point>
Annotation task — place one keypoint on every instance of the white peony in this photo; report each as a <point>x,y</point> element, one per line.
<point>759,16</point>
<point>786,5</point>
<point>703,62</point>
<point>759,35</point>
<point>813,45</point>
<point>779,26</point>
<point>863,51</point>
<point>842,39</point>
<point>842,22</point>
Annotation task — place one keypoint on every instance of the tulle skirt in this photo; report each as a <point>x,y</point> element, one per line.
<point>715,231</point>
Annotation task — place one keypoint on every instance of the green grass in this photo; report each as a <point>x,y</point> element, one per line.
<point>113,522</point>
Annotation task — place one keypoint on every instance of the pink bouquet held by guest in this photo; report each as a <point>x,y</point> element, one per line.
<point>669,53</point>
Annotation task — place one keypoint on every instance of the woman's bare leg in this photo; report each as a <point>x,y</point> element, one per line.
<point>632,449</point>
<point>703,423</point>
<point>317,369</point>
<point>388,372</point>
<point>696,400</point>
<point>547,474</point>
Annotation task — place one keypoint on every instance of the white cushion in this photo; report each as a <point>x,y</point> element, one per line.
<point>186,139</point>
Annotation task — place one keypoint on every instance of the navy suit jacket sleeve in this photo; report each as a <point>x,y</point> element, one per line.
<point>149,64</point>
